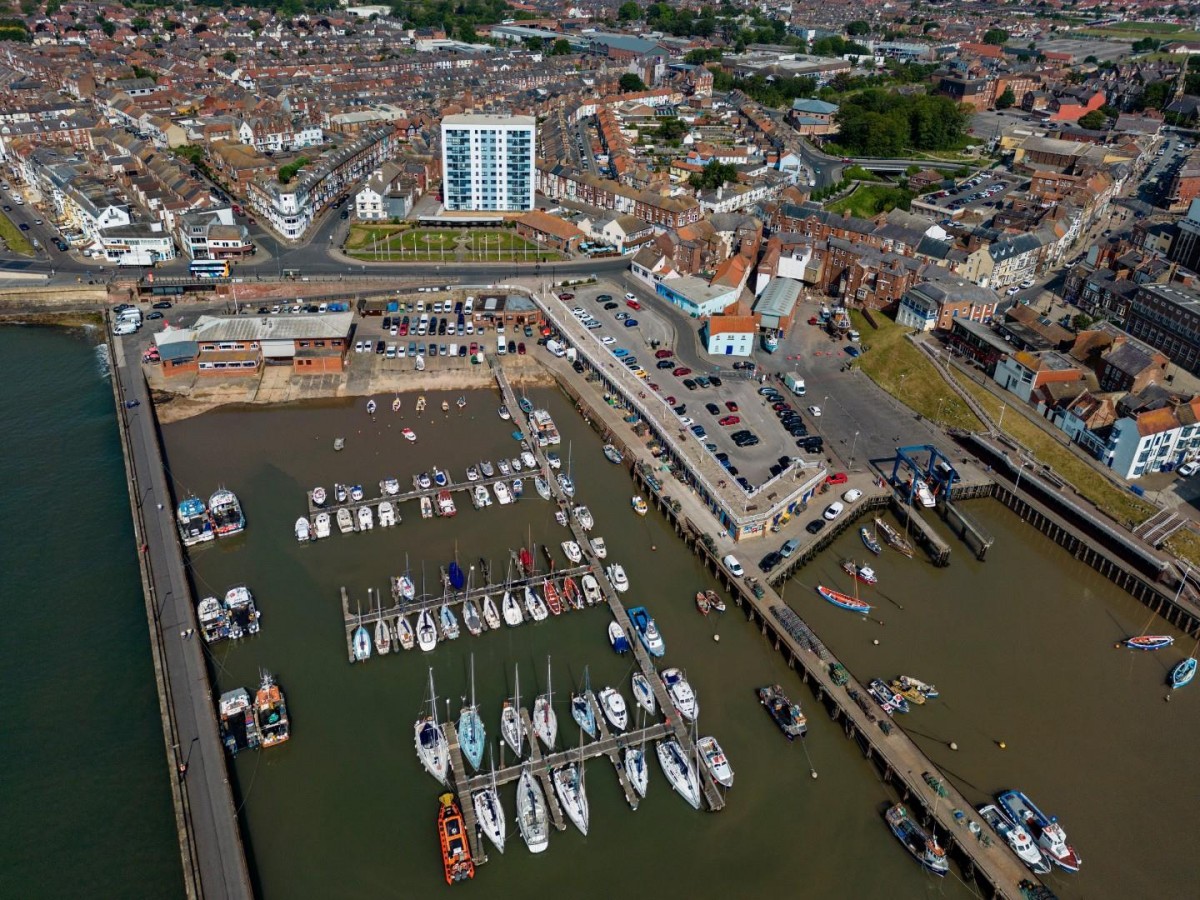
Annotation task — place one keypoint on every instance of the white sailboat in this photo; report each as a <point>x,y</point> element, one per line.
<point>679,771</point>
<point>535,605</point>
<point>634,759</point>
<point>491,615</point>
<point>383,635</point>
<point>512,610</point>
<point>532,819</point>
<point>430,738</point>
<point>572,792</point>
<point>427,634</point>
<point>404,633</point>
<point>490,813</point>
<point>545,720</point>
<point>643,693</point>
<point>510,718</point>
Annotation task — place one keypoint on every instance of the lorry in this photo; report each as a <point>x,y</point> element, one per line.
<point>795,384</point>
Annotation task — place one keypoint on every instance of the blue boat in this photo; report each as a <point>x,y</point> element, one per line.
<point>1183,673</point>
<point>647,631</point>
<point>616,637</point>
<point>471,735</point>
<point>526,405</point>
<point>917,841</point>
<point>457,579</point>
<point>518,436</point>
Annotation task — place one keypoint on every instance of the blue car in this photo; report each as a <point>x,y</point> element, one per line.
<point>852,351</point>
<point>698,431</point>
<point>631,323</point>
<point>620,352</point>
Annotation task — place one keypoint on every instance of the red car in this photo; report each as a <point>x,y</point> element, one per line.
<point>812,320</point>
<point>521,349</point>
<point>664,354</point>
<point>566,296</point>
<point>836,478</point>
<point>729,420</point>
<point>682,371</point>
<point>671,401</point>
<point>731,406</point>
<point>633,304</point>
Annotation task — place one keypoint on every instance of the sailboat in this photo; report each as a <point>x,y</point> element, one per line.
<point>582,709</point>
<point>470,727</point>
<point>471,617</point>
<point>362,641</point>
<point>427,634</point>
<point>383,637</point>
<point>545,720</point>
<point>679,771</point>
<point>491,616</point>
<point>532,819</point>
<point>511,609</point>
<point>572,793</point>
<point>510,718</point>
<point>643,693</point>
<point>430,738</point>
<point>490,813</point>
<point>404,633</point>
<point>635,764</point>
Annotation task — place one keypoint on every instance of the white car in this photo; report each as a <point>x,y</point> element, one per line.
<point>1012,290</point>
<point>1027,283</point>
<point>634,297</point>
<point>687,421</point>
<point>815,412</point>
<point>852,495</point>
<point>608,341</point>
<point>579,311</point>
<point>1187,470</point>
<point>734,567</point>
<point>833,510</point>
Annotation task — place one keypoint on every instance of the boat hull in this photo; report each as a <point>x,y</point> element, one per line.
<point>844,601</point>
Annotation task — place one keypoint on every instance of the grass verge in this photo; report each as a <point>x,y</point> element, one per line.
<point>14,237</point>
<point>869,200</point>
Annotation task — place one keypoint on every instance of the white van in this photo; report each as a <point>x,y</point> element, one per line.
<point>469,306</point>
<point>132,314</point>
<point>124,326</point>
<point>501,349</point>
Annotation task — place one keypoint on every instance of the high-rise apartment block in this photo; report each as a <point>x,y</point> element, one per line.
<point>488,163</point>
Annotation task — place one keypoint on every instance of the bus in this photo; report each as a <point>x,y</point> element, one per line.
<point>209,268</point>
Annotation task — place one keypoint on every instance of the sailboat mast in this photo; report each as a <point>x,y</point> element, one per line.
<point>432,698</point>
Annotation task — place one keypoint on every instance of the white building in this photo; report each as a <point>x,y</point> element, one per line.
<point>730,335</point>
<point>488,163</point>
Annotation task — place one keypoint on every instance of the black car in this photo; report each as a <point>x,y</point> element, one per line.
<point>798,431</point>
<point>60,244</point>
<point>815,526</point>
<point>386,324</point>
<point>345,214</point>
<point>713,409</point>
<point>512,346</point>
<point>458,307</point>
<point>746,486</point>
<point>154,315</point>
<point>380,347</point>
<point>689,384</point>
<point>784,461</point>
<point>577,366</point>
<point>262,311</point>
<point>433,350</point>
<point>714,380</point>
<point>162,304</point>
<point>665,364</point>
<point>770,561</point>
<point>766,389</point>
<point>722,456</point>
<point>732,470</point>
<point>680,410</point>
<point>726,464</point>
<point>442,330</point>
<point>611,305</point>
<point>745,432</point>
<point>775,469</point>
<point>462,349</point>
<point>23,226</point>
<point>603,298</point>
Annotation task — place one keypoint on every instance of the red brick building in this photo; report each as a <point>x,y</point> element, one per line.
<point>240,346</point>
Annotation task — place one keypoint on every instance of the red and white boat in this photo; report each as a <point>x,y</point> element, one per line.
<point>1149,642</point>
<point>409,434</point>
<point>702,602</point>
<point>553,599</point>
<point>865,574</point>
<point>525,560</point>
<point>845,601</point>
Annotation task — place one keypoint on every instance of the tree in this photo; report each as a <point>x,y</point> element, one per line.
<point>1155,95</point>
<point>995,36</point>
<point>288,172</point>
<point>1006,99</point>
<point>628,12</point>
<point>671,129</point>
<point>857,27</point>
<point>1094,121</point>
<point>561,47</point>
<point>229,56</point>
<point>631,82</point>
<point>714,176</point>
<point>535,44</point>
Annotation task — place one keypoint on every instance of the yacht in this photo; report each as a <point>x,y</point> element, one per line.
<point>510,718</point>
<point>427,633</point>
<point>424,482</point>
<point>643,693</point>
<point>226,513</point>
<point>405,588</point>
<point>584,713</point>
<point>1017,838</point>
<point>489,813</point>
<point>391,486</point>
<point>572,794</point>
<point>303,530</point>
<point>387,514</point>
<point>1049,835</point>
<point>535,605</point>
<point>195,525</point>
<point>345,520</point>
<point>679,771</point>
<point>647,631</point>
<point>366,519</point>
<point>491,616</point>
<point>554,460</point>
<point>565,482</point>
<point>541,486</point>
<point>440,478</point>
<point>598,547</point>
<point>321,525</point>
<point>715,761</point>
<point>504,467</point>
<point>636,769</point>
<point>383,636</point>
<point>591,589</point>
<point>448,623</point>
<point>681,693</point>
<point>471,618</point>
<point>503,495</point>
<point>572,551</point>
<point>528,459</point>
<point>485,466</point>
<point>616,575</point>
<point>433,750</point>
<point>362,643</point>
<point>545,720</point>
<point>511,610</point>
<point>356,493</point>
<point>583,516</point>
<point>922,845</point>
<point>532,819</point>
<point>472,736</point>
<point>404,633</point>
<point>472,473</point>
<point>924,494</point>
<point>614,708</point>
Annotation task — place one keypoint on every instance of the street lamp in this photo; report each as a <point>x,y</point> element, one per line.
<point>853,444</point>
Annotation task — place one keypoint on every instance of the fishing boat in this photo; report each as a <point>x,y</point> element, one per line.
<point>865,574</point>
<point>616,576</point>
<point>456,577</point>
<point>613,454</point>
<point>1149,642</point>
<point>390,486</point>
<point>471,733</point>
<point>404,633</point>
<point>270,712</point>
<point>532,819</point>
<point>715,761</point>
<point>448,623</point>
<point>356,493</point>
<point>565,484</point>
<point>491,615</point>
<point>504,413</point>
<point>406,588</point>
<point>643,693</point>
<point>194,523</point>
<point>894,538</point>
<point>387,514</point>
<point>340,493</point>
<point>396,405</point>
<point>636,769</point>
<point>542,486</point>
<point>639,505</point>
<point>887,698</point>
<point>786,714</point>
<point>616,637</point>
<point>510,718</point>
<point>243,614</point>
<point>928,691</point>
<point>426,508</point>
<point>409,435</point>
<point>366,518</point>
<point>525,561</point>
<point>553,598</point>
<point>213,619</point>
<point>371,407</point>
<point>681,693</point>
<point>922,845</point>
<point>1045,830</point>
<point>702,602</point>
<point>485,466</point>
<point>238,728</point>
<point>545,719</point>
<point>427,633</point>
<point>572,595</point>
<point>489,813</point>
<point>433,750</point>
<point>504,467</point>
<point>535,605</point>
<point>869,540</point>
<point>1183,672</point>
<point>321,527</point>
<point>303,530</point>
<point>583,516</point>
<point>572,795</point>
<point>471,618</point>
<point>445,504</point>
<point>510,607</point>
<point>440,478</point>
<point>647,631</point>
<point>502,493</point>
<point>614,708</point>
<point>715,601</point>
<point>572,551</point>
<point>911,694</point>
<point>362,643</point>
<point>599,550</point>
<point>679,771</point>
<point>591,590</point>
<point>1016,837</point>
<point>226,512</point>
<point>554,460</point>
<point>456,851</point>
<point>472,473</point>
<point>845,601</point>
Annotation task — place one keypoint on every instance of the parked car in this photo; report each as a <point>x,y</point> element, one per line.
<point>815,526</point>
<point>632,304</point>
<point>833,510</point>
<point>161,304</point>
<point>664,354</point>
<point>731,406</point>
<point>734,567</point>
<point>836,478</point>
<point>815,412</point>
<point>729,420</point>
<point>770,561</point>
<point>664,364</point>
<point>713,409</point>
<point>681,371</point>
<point>852,495</point>
<point>631,323</point>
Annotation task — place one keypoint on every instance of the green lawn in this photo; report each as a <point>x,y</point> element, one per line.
<point>366,235</point>
<point>497,239</point>
<point>1135,31</point>
<point>14,238</point>
<point>868,200</point>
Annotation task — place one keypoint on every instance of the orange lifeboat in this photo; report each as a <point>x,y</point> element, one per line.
<point>456,853</point>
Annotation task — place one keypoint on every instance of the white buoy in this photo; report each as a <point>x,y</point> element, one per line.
<point>953,746</point>
<point>814,774</point>
<point>875,642</point>
<point>716,637</point>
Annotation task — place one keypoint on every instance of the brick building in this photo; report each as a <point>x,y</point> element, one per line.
<point>241,346</point>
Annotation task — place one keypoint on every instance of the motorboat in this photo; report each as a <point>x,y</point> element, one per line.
<point>406,588</point>
<point>491,615</point>
<point>786,714</point>
<point>1149,642</point>
<point>396,404</point>
<point>715,601</point>
<point>636,770</point>
<point>528,459</point>
<point>554,460</point>
<point>647,631</point>
<point>356,493</point>
<point>518,488</point>
<point>213,619</point>
<point>238,726</point>
<point>613,705</point>
<point>1045,830</point>
<point>583,516</point>
<point>591,589</point>
<point>643,693</point>
<point>503,494</point>
<point>391,486</point>
<point>409,434</point>
<point>424,482</point>
<point>922,845</point>
<point>561,518</point>
<point>426,508</point>
<point>1183,672</point>
<point>366,518</point>
<point>616,575</point>
<point>448,622</point>
<point>572,551</point>
<point>511,610</point>
<point>681,693</point>
<point>340,493</point>
<point>1016,837</point>
<point>565,484</point>
<point>517,464</point>
<point>461,402</point>
<point>270,712</point>
<point>427,633</point>
<point>504,413</point>
<point>362,643</point>
<point>404,633</point>
<point>911,694</point>
<point>319,496</point>
<point>339,443</point>
<point>489,813</point>
<point>433,750</point>
<point>472,736</point>
<point>243,614</point>
<point>486,467</point>
<point>924,494</point>
<point>541,486</point>
<point>303,530</point>
<point>445,406</point>
<point>845,601</point>
<point>870,541</point>
<point>715,761</point>
<point>865,574</point>
<point>472,473</point>
<point>928,691</point>
<point>226,512</point>
<point>532,819</point>
<point>321,525</point>
<point>572,795</point>
<point>440,478</point>
<point>471,618</point>
<point>616,637</point>
<point>371,407</point>
<point>535,605</point>
<point>891,701</point>
<point>612,454</point>
<point>599,550</point>
<point>503,466</point>
<point>345,520</point>
<point>639,505</point>
<point>445,504</point>
<point>679,771</point>
<point>387,514</point>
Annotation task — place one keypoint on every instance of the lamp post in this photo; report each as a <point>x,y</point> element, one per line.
<point>853,444</point>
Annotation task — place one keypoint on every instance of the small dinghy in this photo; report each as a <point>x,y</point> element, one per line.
<point>371,407</point>
<point>1183,672</point>
<point>1149,642</point>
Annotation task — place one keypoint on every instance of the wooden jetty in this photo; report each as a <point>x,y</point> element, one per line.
<point>541,770</point>
<point>459,773</point>
<point>331,506</point>
<point>614,754</point>
<point>926,535</point>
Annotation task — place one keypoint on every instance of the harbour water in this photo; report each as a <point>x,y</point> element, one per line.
<point>344,808</point>
<point>84,783</point>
